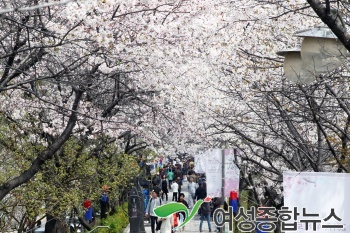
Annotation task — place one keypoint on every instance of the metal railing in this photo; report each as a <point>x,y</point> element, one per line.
<point>109,229</point>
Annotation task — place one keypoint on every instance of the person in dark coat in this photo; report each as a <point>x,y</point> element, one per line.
<point>205,215</point>
<point>201,192</point>
<point>104,204</point>
<point>216,201</point>
<point>157,188</point>
<point>182,199</point>
<point>181,214</point>
<point>191,172</point>
<point>178,173</point>
<point>165,185</point>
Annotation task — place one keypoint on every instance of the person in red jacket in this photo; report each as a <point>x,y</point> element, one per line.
<point>87,204</point>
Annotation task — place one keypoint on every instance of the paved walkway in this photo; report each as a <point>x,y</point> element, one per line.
<point>192,226</point>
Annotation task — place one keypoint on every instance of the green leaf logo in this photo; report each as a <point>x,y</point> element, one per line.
<point>174,207</point>
<point>170,208</point>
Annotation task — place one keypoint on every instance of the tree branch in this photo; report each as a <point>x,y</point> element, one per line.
<point>333,19</point>
<point>45,155</point>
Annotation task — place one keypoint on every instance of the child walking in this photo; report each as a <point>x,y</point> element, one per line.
<point>175,188</point>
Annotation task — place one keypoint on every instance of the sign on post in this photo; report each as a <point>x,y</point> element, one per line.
<point>211,163</point>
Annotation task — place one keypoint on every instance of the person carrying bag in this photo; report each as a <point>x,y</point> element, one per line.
<point>154,202</point>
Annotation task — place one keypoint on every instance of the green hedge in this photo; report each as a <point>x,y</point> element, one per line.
<point>117,222</point>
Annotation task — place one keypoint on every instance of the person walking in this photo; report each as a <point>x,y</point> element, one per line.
<point>167,224</point>
<point>165,185</point>
<point>216,201</point>
<point>182,199</point>
<point>175,188</point>
<point>87,204</point>
<point>157,188</point>
<point>205,215</point>
<point>178,173</point>
<point>184,172</point>
<point>182,214</point>
<point>191,172</point>
<point>104,204</point>
<point>170,176</point>
<point>162,172</point>
<point>154,202</point>
<point>156,180</point>
<point>179,182</point>
<point>191,187</point>
<point>175,220</point>
<point>201,192</point>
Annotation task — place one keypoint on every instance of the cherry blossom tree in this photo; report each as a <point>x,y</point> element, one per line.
<point>100,68</point>
<point>172,76</point>
<point>66,73</point>
<point>278,125</point>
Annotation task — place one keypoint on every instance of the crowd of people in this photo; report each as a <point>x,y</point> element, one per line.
<point>167,186</point>
<point>171,178</point>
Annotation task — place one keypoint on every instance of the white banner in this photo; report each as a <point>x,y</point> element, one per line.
<point>214,173</point>
<point>318,193</point>
<point>231,173</point>
<point>199,163</point>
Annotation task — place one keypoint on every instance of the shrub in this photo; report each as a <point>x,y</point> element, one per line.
<point>118,221</point>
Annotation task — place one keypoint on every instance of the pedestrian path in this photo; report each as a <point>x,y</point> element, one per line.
<point>192,226</point>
